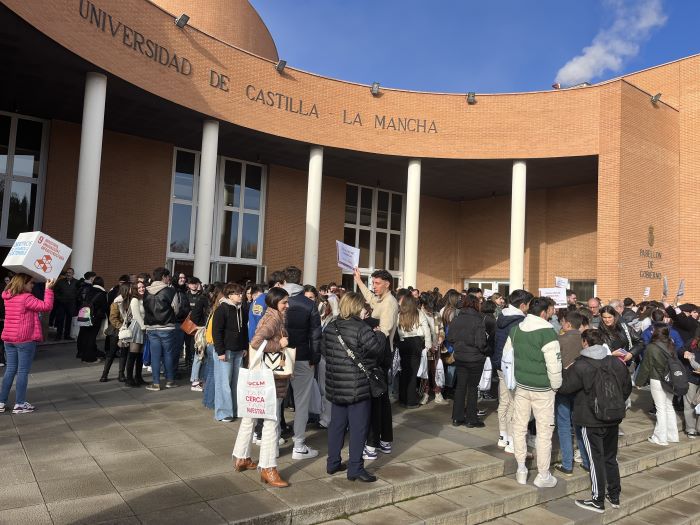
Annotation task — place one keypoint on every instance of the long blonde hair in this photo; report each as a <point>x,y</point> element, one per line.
<point>408,313</point>
<point>17,283</point>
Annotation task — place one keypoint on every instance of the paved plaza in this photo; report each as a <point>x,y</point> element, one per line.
<point>100,452</point>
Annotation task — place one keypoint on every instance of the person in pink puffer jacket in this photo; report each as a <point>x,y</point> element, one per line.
<point>21,333</point>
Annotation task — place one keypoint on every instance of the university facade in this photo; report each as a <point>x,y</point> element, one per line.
<point>137,141</point>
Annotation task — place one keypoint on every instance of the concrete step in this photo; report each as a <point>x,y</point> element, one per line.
<point>674,469</point>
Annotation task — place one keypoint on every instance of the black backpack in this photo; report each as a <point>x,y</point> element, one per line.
<point>675,379</point>
<point>605,397</point>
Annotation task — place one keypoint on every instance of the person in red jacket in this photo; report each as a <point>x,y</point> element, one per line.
<point>21,333</point>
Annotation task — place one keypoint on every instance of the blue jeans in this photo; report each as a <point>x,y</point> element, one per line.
<point>208,394</point>
<point>162,347</point>
<point>19,357</point>
<point>562,411</point>
<point>563,404</point>
<point>225,379</point>
<point>196,368</point>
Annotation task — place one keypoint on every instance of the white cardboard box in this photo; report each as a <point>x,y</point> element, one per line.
<point>38,255</point>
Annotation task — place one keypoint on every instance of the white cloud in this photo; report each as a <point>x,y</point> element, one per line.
<point>634,20</point>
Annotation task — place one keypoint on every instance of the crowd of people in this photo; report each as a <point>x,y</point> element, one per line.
<point>357,353</point>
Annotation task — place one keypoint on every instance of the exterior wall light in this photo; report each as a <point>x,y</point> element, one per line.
<point>471,98</point>
<point>280,66</point>
<point>182,20</point>
<point>375,89</point>
<point>655,99</point>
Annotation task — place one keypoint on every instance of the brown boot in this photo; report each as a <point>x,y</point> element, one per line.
<point>272,478</point>
<point>243,464</point>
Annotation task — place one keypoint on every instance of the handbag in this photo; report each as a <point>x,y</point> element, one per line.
<point>377,381</point>
<point>84,316</point>
<point>423,367</point>
<point>486,374</point>
<point>256,395</point>
<point>126,334</point>
<point>188,326</point>
<point>281,363</point>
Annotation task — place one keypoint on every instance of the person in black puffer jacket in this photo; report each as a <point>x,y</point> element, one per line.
<point>347,387</point>
<point>467,334</point>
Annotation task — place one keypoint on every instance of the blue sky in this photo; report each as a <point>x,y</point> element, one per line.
<point>488,47</point>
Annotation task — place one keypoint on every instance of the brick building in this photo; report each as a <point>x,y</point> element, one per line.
<point>140,142</point>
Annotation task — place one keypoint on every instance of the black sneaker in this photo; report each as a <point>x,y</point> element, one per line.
<point>614,502</point>
<point>591,504</point>
<point>563,470</point>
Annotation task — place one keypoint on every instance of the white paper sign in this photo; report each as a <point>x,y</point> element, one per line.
<point>558,294</point>
<point>348,256</point>
<point>561,282</point>
<point>488,293</point>
<point>647,291</point>
<point>38,255</point>
<point>681,290</point>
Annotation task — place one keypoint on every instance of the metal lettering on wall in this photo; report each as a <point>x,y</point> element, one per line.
<point>138,42</point>
<point>133,39</point>
<point>651,257</point>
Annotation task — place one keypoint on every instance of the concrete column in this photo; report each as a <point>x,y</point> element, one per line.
<point>88,186</point>
<point>410,258</point>
<point>313,215</point>
<point>205,201</point>
<point>517,225</point>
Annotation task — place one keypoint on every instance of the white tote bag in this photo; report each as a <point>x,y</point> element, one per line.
<point>485,382</point>
<point>423,367</point>
<point>508,366</point>
<point>439,373</point>
<point>255,391</point>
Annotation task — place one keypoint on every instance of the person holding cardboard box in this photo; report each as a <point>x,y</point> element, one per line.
<point>21,333</point>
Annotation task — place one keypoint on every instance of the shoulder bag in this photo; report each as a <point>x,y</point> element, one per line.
<point>188,325</point>
<point>281,363</point>
<point>125,334</point>
<point>377,382</point>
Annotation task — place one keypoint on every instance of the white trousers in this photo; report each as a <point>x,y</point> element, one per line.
<point>269,441</point>
<point>541,405</point>
<point>666,429</point>
<point>505,406</point>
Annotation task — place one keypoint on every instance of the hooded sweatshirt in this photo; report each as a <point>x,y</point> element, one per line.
<point>537,355</point>
<point>228,330</point>
<point>578,379</point>
<point>509,318</point>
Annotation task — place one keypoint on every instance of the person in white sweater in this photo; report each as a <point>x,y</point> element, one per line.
<point>134,362</point>
<point>415,338</point>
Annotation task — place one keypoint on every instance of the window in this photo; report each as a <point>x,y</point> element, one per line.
<point>496,286</point>
<point>374,223</point>
<point>238,215</point>
<point>23,143</point>
<point>584,290</point>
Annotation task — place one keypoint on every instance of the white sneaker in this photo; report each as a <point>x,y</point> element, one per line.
<point>439,400</point>
<point>24,408</point>
<point>577,456</point>
<point>197,387</point>
<point>369,453</point>
<point>545,482</point>
<point>521,476</point>
<point>304,453</point>
<point>653,439</point>
<point>256,439</point>
<point>424,400</point>
<point>509,449</point>
<point>502,441</point>
<point>281,442</point>
<point>2,407</point>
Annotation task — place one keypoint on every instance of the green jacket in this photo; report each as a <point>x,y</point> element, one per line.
<point>653,365</point>
<point>537,355</point>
